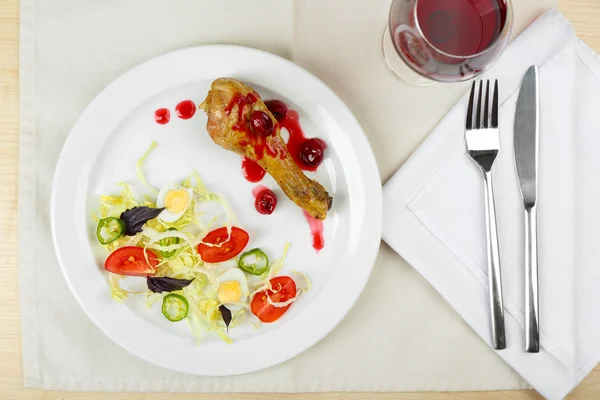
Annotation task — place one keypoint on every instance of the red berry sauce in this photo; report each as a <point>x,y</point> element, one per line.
<point>316,230</point>
<point>265,200</point>
<point>162,116</point>
<point>261,123</point>
<point>252,171</point>
<point>258,128</point>
<point>311,152</point>
<point>277,108</point>
<point>186,109</point>
<point>306,153</point>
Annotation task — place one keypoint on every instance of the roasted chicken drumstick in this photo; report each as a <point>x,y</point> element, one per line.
<point>239,121</point>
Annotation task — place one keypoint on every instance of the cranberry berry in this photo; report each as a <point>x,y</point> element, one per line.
<point>277,108</point>
<point>261,123</point>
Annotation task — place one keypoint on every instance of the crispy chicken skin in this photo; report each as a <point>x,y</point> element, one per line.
<point>233,133</point>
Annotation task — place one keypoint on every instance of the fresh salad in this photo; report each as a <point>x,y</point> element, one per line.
<point>201,272</point>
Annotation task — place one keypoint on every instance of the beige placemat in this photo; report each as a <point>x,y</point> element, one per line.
<point>401,335</point>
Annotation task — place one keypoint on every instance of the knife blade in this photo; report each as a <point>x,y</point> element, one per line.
<point>526,135</point>
<point>526,138</point>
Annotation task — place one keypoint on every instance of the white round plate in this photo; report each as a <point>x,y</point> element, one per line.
<point>117,128</point>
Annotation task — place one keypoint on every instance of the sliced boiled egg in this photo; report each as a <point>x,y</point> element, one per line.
<point>175,199</point>
<point>232,288</point>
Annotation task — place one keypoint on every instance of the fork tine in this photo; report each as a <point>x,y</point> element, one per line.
<point>478,116</point>
<point>495,106</point>
<point>486,112</point>
<point>470,108</point>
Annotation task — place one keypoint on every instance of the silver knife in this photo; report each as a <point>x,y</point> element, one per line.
<point>527,121</point>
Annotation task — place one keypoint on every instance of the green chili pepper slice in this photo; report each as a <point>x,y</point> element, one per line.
<point>168,242</point>
<point>254,262</point>
<point>109,230</point>
<point>175,307</point>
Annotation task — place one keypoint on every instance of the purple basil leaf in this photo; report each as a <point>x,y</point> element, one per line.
<point>226,314</point>
<point>164,284</point>
<point>136,217</point>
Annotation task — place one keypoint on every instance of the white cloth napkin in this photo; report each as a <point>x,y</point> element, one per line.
<point>435,213</point>
<point>71,49</point>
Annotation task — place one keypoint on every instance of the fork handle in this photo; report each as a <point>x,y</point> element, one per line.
<point>532,323</point>
<point>494,276</point>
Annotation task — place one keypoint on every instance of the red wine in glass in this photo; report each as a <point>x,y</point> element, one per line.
<point>450,40</point>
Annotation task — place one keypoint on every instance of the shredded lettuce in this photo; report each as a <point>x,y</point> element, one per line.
<point>152,298</point>
<point>224,336</point>
<point>230,222</point>
<point>190,217</point>
<point>184,263</point>
<point>301,280</point>
<point>204,314</point>
<point>281,303</point>
<point>194,181</point>
<point>116,292</point>
<point>256,325</point>
<point>276,265</point>
<point>154,242</point>
<point>113,206</point>
<point>263,283</point>
<point>238,317</point>
<point>140,162</point>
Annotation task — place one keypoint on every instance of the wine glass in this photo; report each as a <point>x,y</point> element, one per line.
<point>429,41</point>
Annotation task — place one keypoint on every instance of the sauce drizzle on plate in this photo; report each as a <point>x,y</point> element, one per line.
<point>186,109</point>
<point>252,171</point>
<point>162,116</point>
<point>316,230</point>
<point>307,153</point>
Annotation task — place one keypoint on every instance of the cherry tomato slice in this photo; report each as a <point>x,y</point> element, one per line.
<point>229,249</point>
<point>130,261</point>
<point>284,289</point>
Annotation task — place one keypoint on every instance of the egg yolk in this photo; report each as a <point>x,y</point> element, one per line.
<point>177,201</point>
<point>229,292</point>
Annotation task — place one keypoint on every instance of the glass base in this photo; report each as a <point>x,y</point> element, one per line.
<point>397,66</point>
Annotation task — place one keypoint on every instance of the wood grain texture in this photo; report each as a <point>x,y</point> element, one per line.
<point>584,14</point>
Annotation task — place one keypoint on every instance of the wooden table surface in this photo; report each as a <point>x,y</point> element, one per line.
<point>585,16</point>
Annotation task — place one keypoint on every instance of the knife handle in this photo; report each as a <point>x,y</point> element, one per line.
<point>494,276</point>
<point>532,322</point>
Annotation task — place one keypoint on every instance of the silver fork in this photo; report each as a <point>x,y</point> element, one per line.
<point>483,144</point>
